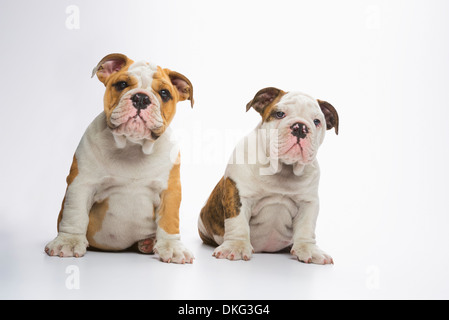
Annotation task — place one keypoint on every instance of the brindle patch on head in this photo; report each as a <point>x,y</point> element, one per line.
<point>223,203</point>
<point>270,110</point>
<point>331,115</point>
<point>265,102</point>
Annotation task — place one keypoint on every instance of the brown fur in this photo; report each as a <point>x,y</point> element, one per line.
<point>331,115</point>
<point>183,85</point>
<point>168,213</point>
<point>112,96</point>
<point>96,217</point>
<point>223,203</point>
<point>160,82</point>
<point>265,101</point>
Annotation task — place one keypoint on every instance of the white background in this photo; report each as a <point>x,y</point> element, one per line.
<point>384,196</point>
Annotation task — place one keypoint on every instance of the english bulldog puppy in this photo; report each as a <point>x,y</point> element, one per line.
<point>267,200</point>
<point>124,184</point>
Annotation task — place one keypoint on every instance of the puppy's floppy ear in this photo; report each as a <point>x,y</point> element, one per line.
<point>110,64</point>
<point>182,84</point>
<point>264,98</point>
<point>330,114</point>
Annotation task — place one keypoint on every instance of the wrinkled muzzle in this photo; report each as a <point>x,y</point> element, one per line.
<point>137,116</point>
<point>296,144</point>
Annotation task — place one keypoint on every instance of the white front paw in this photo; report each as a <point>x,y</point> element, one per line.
<point>310,253</point>
<point>234,250</point>
<point>67,245</point>
<point>170,250</point>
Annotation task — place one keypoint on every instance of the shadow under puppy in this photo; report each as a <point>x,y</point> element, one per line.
<point>124,184</point>
<point>267,200</point>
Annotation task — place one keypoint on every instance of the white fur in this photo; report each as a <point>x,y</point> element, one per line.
<point>131,181</point>
<point>127,167</point>
<point>171,249</point>
<point>236,244</point>
<point>68,245</point>
<point>279,192</point>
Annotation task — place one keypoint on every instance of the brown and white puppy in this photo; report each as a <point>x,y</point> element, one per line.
<point>267,200</point>
<point>124,184</point>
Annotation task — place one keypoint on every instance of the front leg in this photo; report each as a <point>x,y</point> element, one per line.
<point>236,241</point>
<point>168,240</point>
<point>74,217</point>
<point>304,243</point>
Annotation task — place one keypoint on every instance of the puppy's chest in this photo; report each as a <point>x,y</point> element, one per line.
<point>132,178</point>
<point>291,189</point>
<point>123,211</point>
<point>287,183</point>
<point>131,189</point>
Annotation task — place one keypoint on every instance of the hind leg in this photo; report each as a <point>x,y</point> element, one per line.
<point>146,245</point>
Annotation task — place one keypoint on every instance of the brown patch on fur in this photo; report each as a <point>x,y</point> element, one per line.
<point>168,213</point>
<point>207,240</point>
<point>223,203</point>
<point>72,175</point>
<point>265,101</point>
<point>179,87</point>
<point>161,81</point>
<point>113,69</point>
<point>182,84</point>
<point>109,65</point>
<point>110,70</point>
<point>112,96</point>
<point>331,115</point>
<point>96,217</point>
<point>270,110</point>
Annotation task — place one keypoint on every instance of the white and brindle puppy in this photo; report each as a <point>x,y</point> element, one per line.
<point>267,200</point>
<point>124,184</point>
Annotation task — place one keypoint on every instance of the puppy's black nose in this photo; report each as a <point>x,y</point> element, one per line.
<point>299,130</point>
<point>140,101</point>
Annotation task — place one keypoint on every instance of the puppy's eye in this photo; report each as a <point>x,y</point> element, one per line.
<point>279,115</point>
<point>317,122</point>
<point>165,95</point>
<point>120,86</point>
